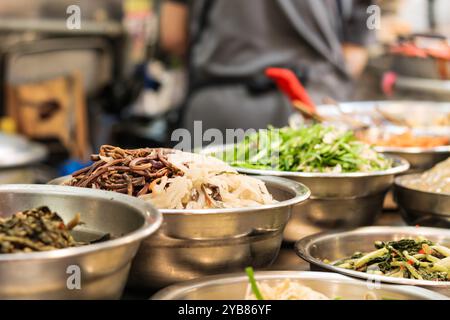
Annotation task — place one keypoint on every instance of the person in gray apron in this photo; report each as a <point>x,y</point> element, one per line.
<point>232,42</point>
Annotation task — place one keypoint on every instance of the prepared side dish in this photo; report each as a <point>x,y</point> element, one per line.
<point>287,289</point>
<point>419,259</point>
<point>317,148</point>
<point>437,179</point>
<point>380,138</point>
<point>172,179</point>
<point>38,229</point>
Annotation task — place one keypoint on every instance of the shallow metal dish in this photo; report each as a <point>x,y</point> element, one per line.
<point>18,151</point>
<point>18,157</point>
<point>338,245</point>
<point>421,207</point>
<point>338,200</point>
<point>104,266</point>
<point>234,287</point>
<point>195,243</point>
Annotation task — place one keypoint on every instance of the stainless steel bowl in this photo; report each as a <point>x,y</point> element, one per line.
<point>234,287</point>
<point>338,245</point>
<point>338,200</point>
<point>103,266</point>
<point>419,159</point>
<point>195,243</point>
<point>420,207</point>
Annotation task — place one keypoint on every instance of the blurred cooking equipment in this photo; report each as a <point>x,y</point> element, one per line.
<point>290,85</point>
<point>52,109</point>
<point>19,159</point>
<point>37,45</point>
<point>422,56</point>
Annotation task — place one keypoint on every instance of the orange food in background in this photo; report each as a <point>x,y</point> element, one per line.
<point>407,139</point>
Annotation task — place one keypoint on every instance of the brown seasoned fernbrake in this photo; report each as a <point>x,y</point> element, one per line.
<point>133,172</point>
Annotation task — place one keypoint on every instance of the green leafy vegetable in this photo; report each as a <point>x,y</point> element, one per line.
<point>406,258</point>
<point>308,149</point>
<point>254,286</point>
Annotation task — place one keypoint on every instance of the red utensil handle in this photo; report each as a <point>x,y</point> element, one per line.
<point>290,85</point>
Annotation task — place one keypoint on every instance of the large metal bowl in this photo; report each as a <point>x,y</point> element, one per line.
<point>420,159</point>
<point>196,243</point>
<point>420,207</point>
<point>234,287</point>
<point>338,200</point>
<point>338,245</point>
<point>103,267</point>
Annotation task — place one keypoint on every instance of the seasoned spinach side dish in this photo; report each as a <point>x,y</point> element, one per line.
<point>419,259</point>
<point>308,149</point>
<point>38,229</point>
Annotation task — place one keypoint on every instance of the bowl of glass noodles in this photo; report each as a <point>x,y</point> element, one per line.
<point>348,178</point>
<point>417,256</point>
<point>290,285</point>
<point>424,199</point>
<point>216,220</point>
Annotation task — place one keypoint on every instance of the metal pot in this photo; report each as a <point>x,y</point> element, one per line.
<point>197,243</point>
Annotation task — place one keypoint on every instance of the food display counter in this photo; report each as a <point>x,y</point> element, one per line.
<point>303,197</point>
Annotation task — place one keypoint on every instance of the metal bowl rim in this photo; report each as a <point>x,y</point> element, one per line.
<point>300,249</point>
<point>399,183</point>
<point>153,220</point>
<point>174,291</point>
<point>400,165</point>
<point>413,150</point>
<point>302,193</point>
<point>438,104</point>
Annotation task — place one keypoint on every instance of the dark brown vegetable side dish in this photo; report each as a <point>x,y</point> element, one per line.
<point>38,229</point>
<point>131,172</point>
